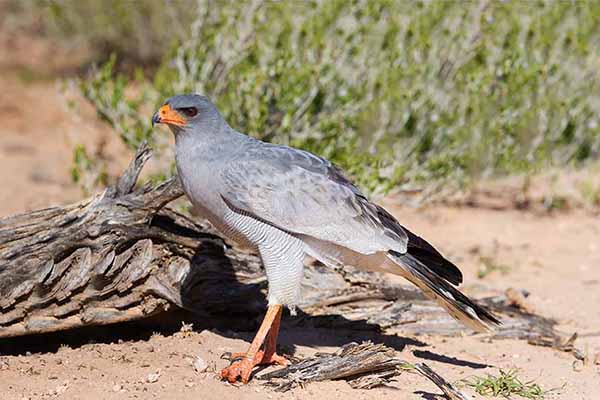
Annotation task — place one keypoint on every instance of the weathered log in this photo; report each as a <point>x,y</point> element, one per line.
<point>364,366</point>
<point>115,257</point>
<point>122,255</point>
<point>351,362</point>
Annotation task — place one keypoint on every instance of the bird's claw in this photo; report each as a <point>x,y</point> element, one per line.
<point>232,357</point>
<point>239,369</point>
<point>242,365</point>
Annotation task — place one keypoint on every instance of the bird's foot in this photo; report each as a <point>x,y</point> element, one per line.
<point>239,369</point>
<point>243,367</point>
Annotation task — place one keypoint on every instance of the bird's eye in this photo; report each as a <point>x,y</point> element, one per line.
<point>189,111</point>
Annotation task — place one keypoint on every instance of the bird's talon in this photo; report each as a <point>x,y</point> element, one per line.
<point>239,369</point>
<point>242,364</point>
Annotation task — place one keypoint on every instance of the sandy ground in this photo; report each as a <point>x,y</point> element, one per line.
<point>555,257</point>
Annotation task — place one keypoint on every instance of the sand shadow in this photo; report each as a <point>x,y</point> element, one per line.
<point>140,330</point>
<point>428,355</point>
<point>430,396</point>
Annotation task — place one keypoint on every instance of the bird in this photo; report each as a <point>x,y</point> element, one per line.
<point>290,205</point>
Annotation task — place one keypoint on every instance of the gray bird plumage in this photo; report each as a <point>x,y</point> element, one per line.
<point>287,204</point>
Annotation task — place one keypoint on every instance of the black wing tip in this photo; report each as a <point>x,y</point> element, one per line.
<point>428,255</point>
<point>435,262</point>
<point>438,264</point>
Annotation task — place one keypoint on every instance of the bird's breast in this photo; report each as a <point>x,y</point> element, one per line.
<point>201,183</point>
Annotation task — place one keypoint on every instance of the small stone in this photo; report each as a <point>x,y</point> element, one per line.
<point>200,365</point>
<point>152,378</point>
<point>190,383</point>
<point>578,365</point>
<point>597,359</point>
<point>117,388</point>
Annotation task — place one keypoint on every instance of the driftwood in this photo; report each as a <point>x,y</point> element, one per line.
<point>364,366</point>
<point>122,255</point>
<point>351,363</point>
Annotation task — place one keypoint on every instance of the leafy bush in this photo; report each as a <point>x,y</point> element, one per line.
<point>430,94</point>
<point>139,31</point>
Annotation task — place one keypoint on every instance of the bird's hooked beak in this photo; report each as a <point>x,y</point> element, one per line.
<point>169,116</point>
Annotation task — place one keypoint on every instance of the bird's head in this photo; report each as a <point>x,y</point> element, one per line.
<point>186,111</point>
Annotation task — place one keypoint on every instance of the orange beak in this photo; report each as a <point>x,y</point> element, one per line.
<point>166,115</point>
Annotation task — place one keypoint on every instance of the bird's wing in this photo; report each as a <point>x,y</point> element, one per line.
<point>301,193</point>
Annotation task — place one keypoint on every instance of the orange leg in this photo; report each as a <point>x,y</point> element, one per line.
<point>267,334</point>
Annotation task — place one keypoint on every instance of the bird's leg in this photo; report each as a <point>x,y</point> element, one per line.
<point>267,334</point>
<point>270,355</point>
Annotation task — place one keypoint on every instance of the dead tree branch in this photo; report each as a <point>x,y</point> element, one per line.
<point>364,366</point>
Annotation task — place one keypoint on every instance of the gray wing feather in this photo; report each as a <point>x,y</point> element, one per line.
<point>304,194</point>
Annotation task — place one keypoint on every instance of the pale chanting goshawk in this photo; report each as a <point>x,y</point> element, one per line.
<point>287,204</point>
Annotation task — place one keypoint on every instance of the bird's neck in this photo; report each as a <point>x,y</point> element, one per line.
<point>209,143</point>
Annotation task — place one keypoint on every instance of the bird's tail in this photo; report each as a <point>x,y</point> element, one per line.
<point>437,288</point>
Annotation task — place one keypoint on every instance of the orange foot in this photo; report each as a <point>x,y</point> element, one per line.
<point>243,369</point>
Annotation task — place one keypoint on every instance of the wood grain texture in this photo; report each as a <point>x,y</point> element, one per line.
<point>364,366</point>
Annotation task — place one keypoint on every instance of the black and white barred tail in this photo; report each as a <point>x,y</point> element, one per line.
<point>439,289</point>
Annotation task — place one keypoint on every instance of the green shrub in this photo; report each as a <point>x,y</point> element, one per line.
<point>427,95</point>
<point>139,31</point>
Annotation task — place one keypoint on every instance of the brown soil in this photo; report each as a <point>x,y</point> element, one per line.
<point>554,257</point>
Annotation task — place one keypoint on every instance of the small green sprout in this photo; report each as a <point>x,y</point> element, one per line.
<point>506,385</point>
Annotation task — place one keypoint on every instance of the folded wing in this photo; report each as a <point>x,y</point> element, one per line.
<point>301,193</point>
